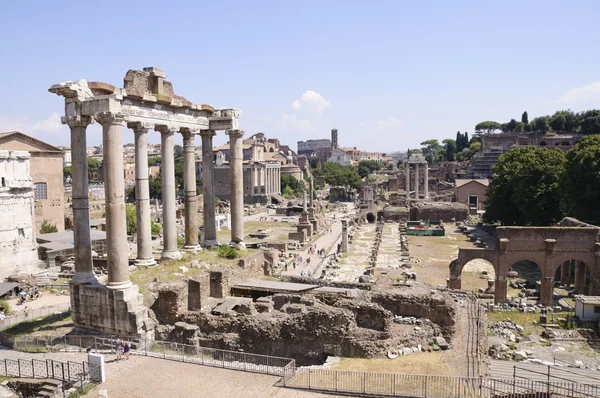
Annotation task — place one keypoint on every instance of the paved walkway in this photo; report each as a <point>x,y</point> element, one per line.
<point>536,372</point>
<point>152,377</point>
<point>326,240</point>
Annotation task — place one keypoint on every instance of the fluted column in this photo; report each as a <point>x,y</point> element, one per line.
<point>142,196</point>
<point>260,179</point>
<point>407,177</point>
<point>417,181</point>
<point>426,182</point>
<point>114,187</point>
<point>191,201</point>
<point>82,250</point>
<point>169,206</point>
<point>236,187</point>
<point>208,189</point>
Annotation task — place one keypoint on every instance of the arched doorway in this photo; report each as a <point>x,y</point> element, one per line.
<point>478,275</point>
<point>524,279</point>
<point>575,275</point>
<point>370,218</point>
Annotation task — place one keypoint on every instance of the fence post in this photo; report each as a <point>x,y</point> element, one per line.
<point>426,384</point>
<point>202,350</point>
<point>548,388</point>
<point>164,352</point>
<point>309,379</point>
<point>394,387</point>
<point>336,382</point>
<point>245,362</point>
<point>19,366</point>
<point>32,369</point>
<point>5,368</point>
<point>364,383</point>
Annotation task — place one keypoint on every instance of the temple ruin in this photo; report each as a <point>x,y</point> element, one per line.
<point>146,102</point>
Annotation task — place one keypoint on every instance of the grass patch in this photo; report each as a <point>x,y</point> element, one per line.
<point>80,393</point>
<point>42,323</point>
<point>6,306</point>
<point>432,363</point>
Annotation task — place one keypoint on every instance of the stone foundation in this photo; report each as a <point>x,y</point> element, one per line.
<point>111,311</point>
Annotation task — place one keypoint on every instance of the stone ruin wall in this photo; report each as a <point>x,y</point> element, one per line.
<point>439,211</point>
<point>305,328</point>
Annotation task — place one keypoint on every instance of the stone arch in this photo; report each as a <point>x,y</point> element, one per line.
<point>473,277</point>
<point>577,271</point>
<point>466,255</point>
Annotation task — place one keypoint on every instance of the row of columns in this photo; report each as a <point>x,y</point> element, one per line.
<point>416,183</point>
<point>116,229</point>
<point>264,174</point>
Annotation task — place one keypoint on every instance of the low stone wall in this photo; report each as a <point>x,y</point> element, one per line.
<point>439,211</point>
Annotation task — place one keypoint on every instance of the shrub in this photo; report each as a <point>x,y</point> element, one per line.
<point>225,251</point>
<point>47,228</point>
<point>6,306</point>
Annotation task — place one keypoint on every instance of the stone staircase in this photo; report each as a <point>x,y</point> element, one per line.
<point>482,163</point>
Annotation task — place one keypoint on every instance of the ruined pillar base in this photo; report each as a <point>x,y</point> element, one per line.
<point>145,262</point>
<point>119,285</point>
<point>454,283</point>
<point>238,245</point>
<point>211,243</point>
<point>120,312</point>
<point>192,249</point>
<point>171,255</point>
<point>84,278</point>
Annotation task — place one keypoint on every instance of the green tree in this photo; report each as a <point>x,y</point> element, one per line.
<point>488,126</point>
<point>526,189</point>
<point>93,166</point>
<point>314,163</point>
<point>291,185</point>
<point>581,180</point>
<point>154,161</point>
<point>67,172</point>
<point>450,151</point>
<point>154,228</point>
<point>178,151</point>
<point>288,192</point>
<point>130,219</point>
<point>47,227</point>
<point>155,184</point>
<point>541,124</point>
<point>525,118</point>
<point>366,167</point>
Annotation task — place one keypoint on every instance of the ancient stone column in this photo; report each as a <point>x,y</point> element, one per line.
<point>252,180</point>
<point>279,183</point>
<point>236,187</point>
<point>565,273</point>
<point>311,185</point>
<point>142,196</point>
<point>191,201</point>
<point>82,250</point>
<point>417,181</point>
<point>208,189</point>
<point>169,205</point>
<point>546,291</point>
<point>259,177</point>
<point>500,290</point>
<point>114,187</point>
<point>344,236</point>
<point>426,182</point>
<point>407,181</point>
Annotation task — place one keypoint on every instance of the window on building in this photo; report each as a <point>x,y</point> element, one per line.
<point>472,200</point>
<point>597,309</point>
<point>41,191</point>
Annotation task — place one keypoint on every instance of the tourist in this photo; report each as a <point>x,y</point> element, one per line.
<point>2,316</point>
<point>126,348</point>
<point>294,264</point>
<point>26,311</point>
<point>118,348</point>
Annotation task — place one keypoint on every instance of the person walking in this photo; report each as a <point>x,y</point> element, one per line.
<point>119,348</point>
<point>126,349</point>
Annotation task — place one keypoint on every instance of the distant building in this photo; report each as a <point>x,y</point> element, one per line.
<point>354,154</point>
<point>334,139</point>
<point>375,156</point>
<point>587,308</point>
<point>47,175</point>
<point>340,157</point>
<point>311,147</point>
<point>472,193</point>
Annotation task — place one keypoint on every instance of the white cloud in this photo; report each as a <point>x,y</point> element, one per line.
<point>22,124</point>
<point>291,122</point>
<point>391,123</point>
<point>50,125</point>
<point>591,92</point>
<point>311,99</point>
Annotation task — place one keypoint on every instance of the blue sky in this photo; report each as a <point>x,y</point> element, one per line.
<point>386,74</point>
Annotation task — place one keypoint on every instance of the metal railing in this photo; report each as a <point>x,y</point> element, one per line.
<point>404,385</point>
<point>21,316</point>
<point>71,374</point>
<point>236,360</point>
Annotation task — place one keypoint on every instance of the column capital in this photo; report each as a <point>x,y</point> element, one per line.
<point>77,120</point>
<point>140,127</point>
<point>109,118</point>
<point>188,133</point>
<point>235,133</point>
<point>166,129</point>
<point>207,133</point>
